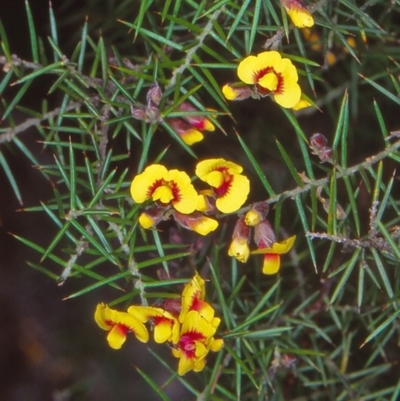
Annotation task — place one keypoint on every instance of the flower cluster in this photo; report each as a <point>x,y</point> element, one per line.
<point>171,193</point>
<point>270,75</point>
<point>189,127</point>
<point>187,325</point>
<point>263,237</point>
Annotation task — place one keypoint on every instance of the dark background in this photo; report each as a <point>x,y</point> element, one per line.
<point>52,349</point>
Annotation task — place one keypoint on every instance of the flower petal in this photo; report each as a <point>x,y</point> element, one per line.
<point>239,249</point>
<point>143,183</point>
<point>235,196</point>
<point>116,336</point>
<point>278,248</point>
<point>271,264</point>
<point>253,65</point>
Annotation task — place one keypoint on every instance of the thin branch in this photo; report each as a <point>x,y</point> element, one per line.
<point>378,243</point>
<point>190,53</point>
<point>369,162</point>
<point>10,133</point>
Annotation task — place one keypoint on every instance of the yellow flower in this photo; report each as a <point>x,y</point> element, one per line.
<point>298,13</point>
<point>273,75</point>
<point>193,299</point>
<point>196,222</point>
<point>118,324</point>
<point>189,134</point>
<point>229,187</point>
<point>272,259</point>
<point>166,326</point>
<point>165,187</point>
<point>202,123</point>
<point>196,340</point>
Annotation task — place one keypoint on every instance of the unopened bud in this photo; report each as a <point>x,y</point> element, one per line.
<point>239,247</point>
<point>154,94</point>
<point>138,113</point>
<point>236,91</point>
<point>319,146</point>
<point>257,213</point>
<point>151,217</point>
<point>152,113</point>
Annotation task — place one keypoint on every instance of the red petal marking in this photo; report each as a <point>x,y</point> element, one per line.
<point>224,187</point>
<point>266,70</point>
<point>160,319</point>
<point>260,73</point>
<point>154,186</point>
<point>121,327</point>
<point>187,343</point>
<point>171,184</point>
<point>175,191</point>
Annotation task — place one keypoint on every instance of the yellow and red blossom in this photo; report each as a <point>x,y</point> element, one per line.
<point>187,325</point>
<point>167,187</point>
<point>272,259</point>
<point>189,126</point>
<point>119,324</point>
<point>196,340</point>
<point>193,296</point>
<point>166,326</point>
<point>230,188</point>
<point>189,134</point>
<point>202,123</point>
<point>272,75</point>
<point>298,13</point>
<point>196,222</point>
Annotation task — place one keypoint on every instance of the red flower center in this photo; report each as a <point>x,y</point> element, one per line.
<point>223,189</point>
<point>121,327</point>
<point>264,71</point>
<point>187,343</point>
<point>171,184</point>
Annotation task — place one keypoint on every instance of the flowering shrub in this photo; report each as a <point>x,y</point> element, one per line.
<point>251,245</point>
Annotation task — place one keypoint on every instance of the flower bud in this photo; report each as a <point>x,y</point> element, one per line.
<point>152,113</point>
<point>257,213</point>
<point>239,247</point>
<point>154,94</point>
<point>236,91</point>
<point>264,236</point>
<point>138,113</point>
<point>319,146</point>
<point>196,222</point>
<point>151,217</point>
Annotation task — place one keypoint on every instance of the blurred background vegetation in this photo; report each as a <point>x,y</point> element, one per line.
<point>325,328</point>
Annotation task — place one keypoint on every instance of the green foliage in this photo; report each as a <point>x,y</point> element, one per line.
<point>334,308</point>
